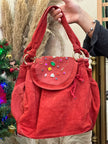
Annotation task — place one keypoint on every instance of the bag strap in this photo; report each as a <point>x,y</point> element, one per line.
<point>38,35</point>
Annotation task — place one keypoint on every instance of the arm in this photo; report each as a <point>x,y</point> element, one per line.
<point>96,41</point>
<point>98,44</point>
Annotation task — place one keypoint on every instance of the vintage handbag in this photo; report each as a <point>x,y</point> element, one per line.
<point>54,96</point>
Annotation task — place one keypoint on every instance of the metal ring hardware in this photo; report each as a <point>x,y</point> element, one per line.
<point>25,58</point>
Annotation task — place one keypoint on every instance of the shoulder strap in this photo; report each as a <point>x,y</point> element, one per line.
<point>40,31</point>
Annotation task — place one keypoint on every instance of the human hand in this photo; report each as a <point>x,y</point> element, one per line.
<point>71,10</point>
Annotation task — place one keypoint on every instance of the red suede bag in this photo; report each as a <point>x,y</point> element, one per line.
<point>54,96</point>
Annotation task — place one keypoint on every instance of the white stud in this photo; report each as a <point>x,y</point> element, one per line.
<point>52,75</point>
<point>45,75</point>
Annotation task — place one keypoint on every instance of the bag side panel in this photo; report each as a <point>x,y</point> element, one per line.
<point>94,90</point>
<point>28,121</point>
<point>95,101</point>
<point>18,94</point>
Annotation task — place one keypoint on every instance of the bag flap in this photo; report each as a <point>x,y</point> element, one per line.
<point>54,73</point>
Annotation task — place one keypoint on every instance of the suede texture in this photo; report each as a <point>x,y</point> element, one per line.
<point>46,104</point>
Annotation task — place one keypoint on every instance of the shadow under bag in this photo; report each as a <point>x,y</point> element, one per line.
<point>54,96</point>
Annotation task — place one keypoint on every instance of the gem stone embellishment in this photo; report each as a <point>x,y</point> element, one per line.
<point>64,73</point>
<point>45,75</point>
<point>46,64</point>
<point>49,68</point>
<point>62,69</point>
<point>57,70</point>
<point>61,60</point>
<point>53,63</point>
<point>57,73</point>
<point>52,75</point>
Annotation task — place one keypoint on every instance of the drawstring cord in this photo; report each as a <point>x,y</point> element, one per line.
<point>73,89</point>
<point>79,78</point>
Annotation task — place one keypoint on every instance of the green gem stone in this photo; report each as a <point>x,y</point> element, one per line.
<point>53,63</point>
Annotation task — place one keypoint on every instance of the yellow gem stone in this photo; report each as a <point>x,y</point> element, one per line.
<point>49,69</point>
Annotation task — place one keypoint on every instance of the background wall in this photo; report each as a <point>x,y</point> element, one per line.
<point>0,21</point>
<point>87,5</point>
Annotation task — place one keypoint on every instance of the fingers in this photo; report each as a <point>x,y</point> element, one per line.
<point>66,1</point>
<point>56,13</point>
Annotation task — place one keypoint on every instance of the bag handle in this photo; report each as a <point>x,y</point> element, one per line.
<point>38,35</point>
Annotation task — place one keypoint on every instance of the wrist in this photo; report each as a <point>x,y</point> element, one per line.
<point>81,15</point>
<point>86,22</point>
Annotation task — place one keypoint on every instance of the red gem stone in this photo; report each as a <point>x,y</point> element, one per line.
<point>57,73</point>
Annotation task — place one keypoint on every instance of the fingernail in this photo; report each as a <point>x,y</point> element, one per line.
<point>59,10</point>
<point>61,14</point>
<point>59,19</point>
